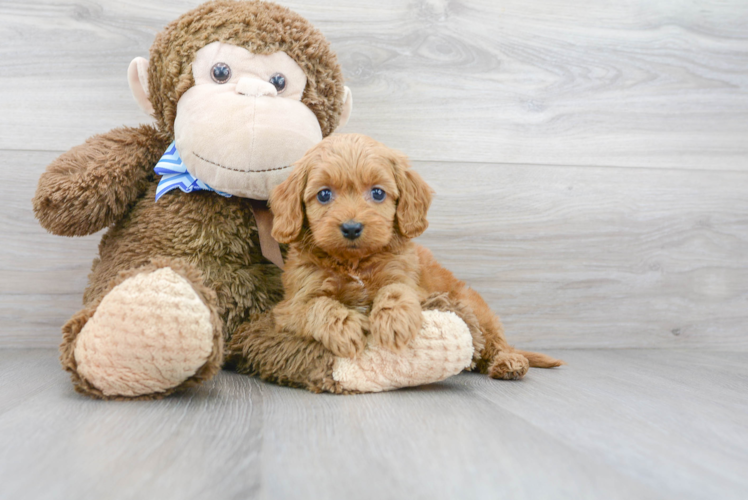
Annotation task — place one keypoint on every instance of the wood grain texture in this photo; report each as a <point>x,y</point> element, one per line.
<point>577,255</point>
<point>620,407</point>
<point>78,448</point>
<point>599,257</point>
<point>579,82</point>
<point>42,277</point>
<point>611,424</point>
<point>591,167</point>
<point>568,256</point>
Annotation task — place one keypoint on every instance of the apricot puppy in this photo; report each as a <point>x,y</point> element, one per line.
<point>349,210</point>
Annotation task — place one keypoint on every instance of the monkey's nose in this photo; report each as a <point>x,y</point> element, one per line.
<point>351,230</point>
<point>254,87</point>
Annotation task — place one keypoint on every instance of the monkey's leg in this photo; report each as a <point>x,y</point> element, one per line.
<point>443,347</point>
<point>154,331</point>
<point>257,348</point>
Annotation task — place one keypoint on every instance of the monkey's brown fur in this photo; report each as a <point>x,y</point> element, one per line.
<point>211,241</point>
<point>342,291</point>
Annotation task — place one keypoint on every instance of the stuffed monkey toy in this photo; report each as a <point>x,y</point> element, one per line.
<point>238,91</point>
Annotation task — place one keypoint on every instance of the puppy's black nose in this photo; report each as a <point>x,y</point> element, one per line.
<point>351,230</point>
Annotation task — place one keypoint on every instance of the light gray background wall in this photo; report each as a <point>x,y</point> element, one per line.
<point>590,157</point>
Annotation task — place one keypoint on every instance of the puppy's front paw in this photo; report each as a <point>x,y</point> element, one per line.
<point>395,322</point>
<point>343,334</point>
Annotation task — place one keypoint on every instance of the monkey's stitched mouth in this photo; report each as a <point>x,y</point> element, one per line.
<point>239,170</point>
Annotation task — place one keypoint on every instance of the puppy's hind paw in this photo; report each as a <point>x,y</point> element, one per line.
<point>508,366</point>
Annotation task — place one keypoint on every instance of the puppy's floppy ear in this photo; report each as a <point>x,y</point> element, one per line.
<point>414,200</point>
<point>287,204</point>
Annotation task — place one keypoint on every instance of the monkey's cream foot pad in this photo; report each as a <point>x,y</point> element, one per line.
<point>149,334</point>
<point>443,347</point>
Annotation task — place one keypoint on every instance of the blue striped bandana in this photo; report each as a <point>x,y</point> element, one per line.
<point>175,175</point>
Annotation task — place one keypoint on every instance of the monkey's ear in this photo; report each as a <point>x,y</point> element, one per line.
<point>137,77</point>
<point>347,108</point>
<point>286,202</point>
<point>414,200</point>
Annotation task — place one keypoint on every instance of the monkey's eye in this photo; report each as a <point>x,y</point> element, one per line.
<point>324,196</point>
<point>220,72</point>
<point>378,194</point>
<point>279,81</point>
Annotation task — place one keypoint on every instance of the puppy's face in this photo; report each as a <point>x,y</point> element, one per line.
<point>352,195</point>
<point>350,201</point>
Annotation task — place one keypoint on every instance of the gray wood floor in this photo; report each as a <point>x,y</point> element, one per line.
<point>629,424</point>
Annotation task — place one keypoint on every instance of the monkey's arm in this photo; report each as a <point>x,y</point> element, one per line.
<point>91,186</point>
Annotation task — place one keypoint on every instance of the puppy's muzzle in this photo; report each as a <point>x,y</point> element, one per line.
<point>351,230</point>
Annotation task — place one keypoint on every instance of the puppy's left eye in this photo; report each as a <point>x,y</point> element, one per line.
<point>378,194</point>
<point>324,196</point>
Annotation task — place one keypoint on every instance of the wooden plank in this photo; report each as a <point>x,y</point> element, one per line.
<point>686,410</point>
<point>58,444</point>
<point>42,277</point>
<point>598,257</point>
<point>568,256</point>
<point>641,83</point>
<point>433,442</point>
<point>611,424</point>
<point>26,373</point>
<point>238,437</point>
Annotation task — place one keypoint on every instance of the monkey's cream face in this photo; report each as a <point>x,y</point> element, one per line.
<point>242,124</point>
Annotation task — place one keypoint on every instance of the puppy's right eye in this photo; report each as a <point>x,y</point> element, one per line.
<point>378,194</point>
<point>324,196</point>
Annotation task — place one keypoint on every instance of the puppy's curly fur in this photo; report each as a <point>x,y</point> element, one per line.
<point>342,289</point>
